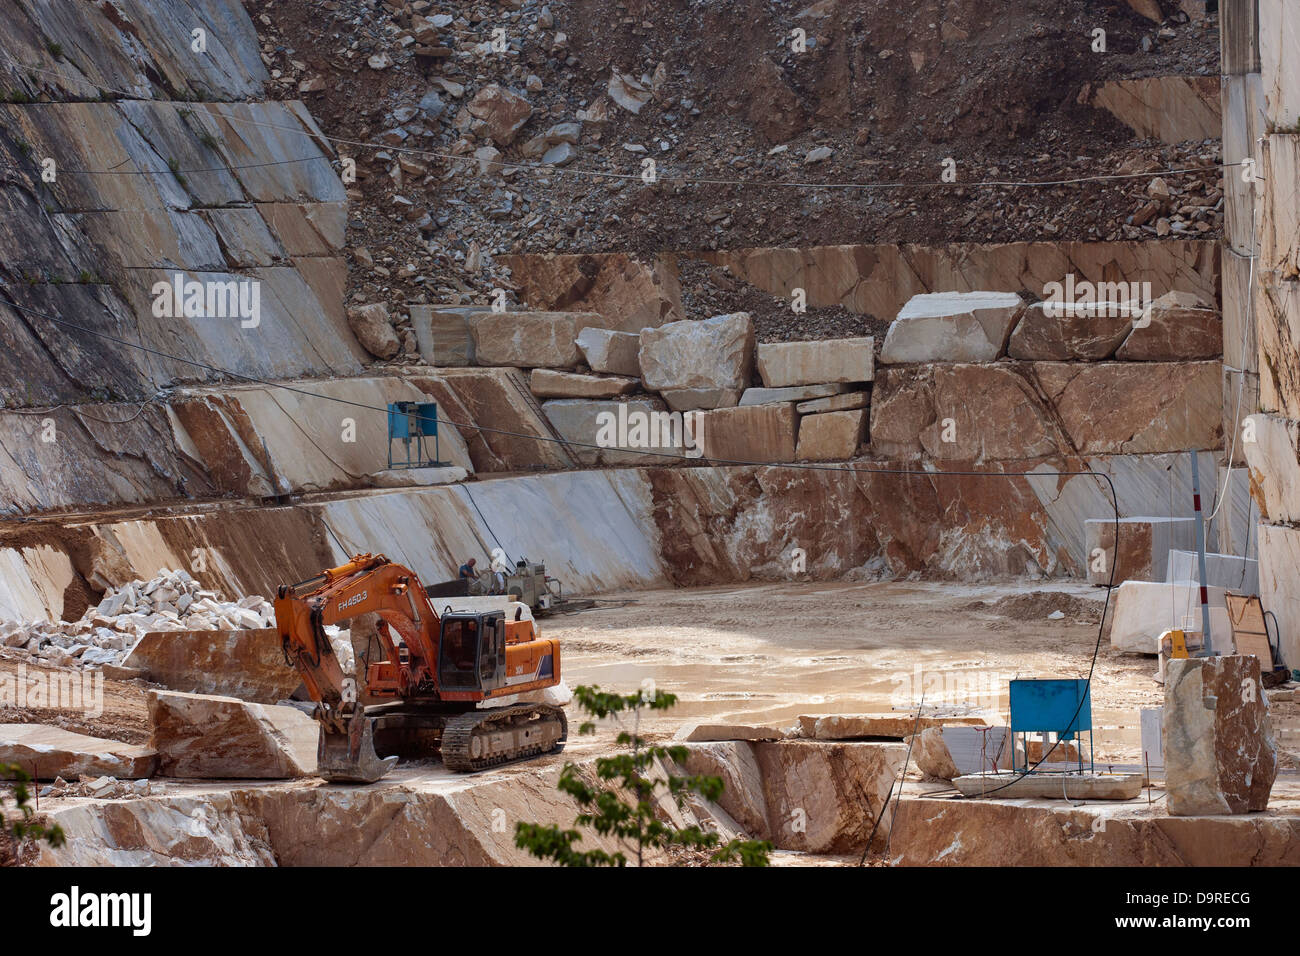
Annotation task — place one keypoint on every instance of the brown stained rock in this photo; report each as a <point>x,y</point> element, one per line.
<point>371,326</point>
<point>1177,327</point>
<point>550,383</point>
<point>503,110</point>
<point>635,294</point>
<point>940,832</point>
<point>1173,109</point>
<point>785,364</point>
<point>1129,408</point>
<point>425,823</point>
<point>964,412</point>
<point>1277,312</point>
<point>1144,545</point>
<point>825,797</point>
<point>47,752</point>
<point>1090,333</point>
<point>893,726</point>
<point>879,279</point>
<point>1220,756</point>
<point>209,737</point>
<point>248,665</point>
<point>831,436</point>
<point>716,353</point>
<point>760,433</point>
<point>738,524</point>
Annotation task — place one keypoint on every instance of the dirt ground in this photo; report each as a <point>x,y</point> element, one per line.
<point>767,653</point>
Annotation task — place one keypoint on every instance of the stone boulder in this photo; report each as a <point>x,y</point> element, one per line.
<point>529,339</point>
<point>704,731</point>
<point>825,797</point>
<point>550,383</point>
<point>609,351</point>
<point>245,664</point>
<point>1132,408</point>
<point>963,412</point>
<point>1075,332</point>
<point>952,327</point>
<point>371,326</point>
<point>736,763</point>
<point>784,364</point>
<point>442,333</point>
<point>890,726</point>
<point>503,110</point>
<point>47,752</point>
<point>1146,609</point>
<point>210,737</point>
<point>1176,327</point>
<point>946,753</point>
<point>1220,756</point>
<point>716,353</point>
<point>1144,545</point>
<point>759,433</point>
<point>831,436</point>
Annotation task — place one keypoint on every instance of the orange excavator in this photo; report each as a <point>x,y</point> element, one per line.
<point>434,673</point>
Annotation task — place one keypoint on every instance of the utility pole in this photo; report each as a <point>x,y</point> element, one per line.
<point>1208,650</point>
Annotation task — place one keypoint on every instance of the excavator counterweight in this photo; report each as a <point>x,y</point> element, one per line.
<point>445,683</point>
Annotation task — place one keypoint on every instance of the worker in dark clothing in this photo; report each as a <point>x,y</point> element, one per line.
<point>469,575</point>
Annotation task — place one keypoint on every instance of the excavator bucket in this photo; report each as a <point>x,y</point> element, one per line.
<point>351,757</point>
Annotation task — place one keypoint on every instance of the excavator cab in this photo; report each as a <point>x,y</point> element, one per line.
<point>472,651</point>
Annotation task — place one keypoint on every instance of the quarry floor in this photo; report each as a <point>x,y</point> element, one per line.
<point>767,653</point>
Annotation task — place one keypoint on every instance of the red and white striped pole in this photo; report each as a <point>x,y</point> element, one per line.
<point>1208,650</point>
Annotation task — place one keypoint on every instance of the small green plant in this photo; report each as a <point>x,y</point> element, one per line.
<point>208,140</point>
<point>21,828</point>
<point>174,165</point>
<point>24,147</point>
<point>622,804</point>
<point>56,49</point>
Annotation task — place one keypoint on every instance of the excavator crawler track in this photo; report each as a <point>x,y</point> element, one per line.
<point>480,739</point>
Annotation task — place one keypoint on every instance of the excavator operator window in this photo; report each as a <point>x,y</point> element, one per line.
<point>458,653</point>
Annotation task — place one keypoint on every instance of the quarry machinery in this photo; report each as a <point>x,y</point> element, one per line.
<point>433,688</point>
